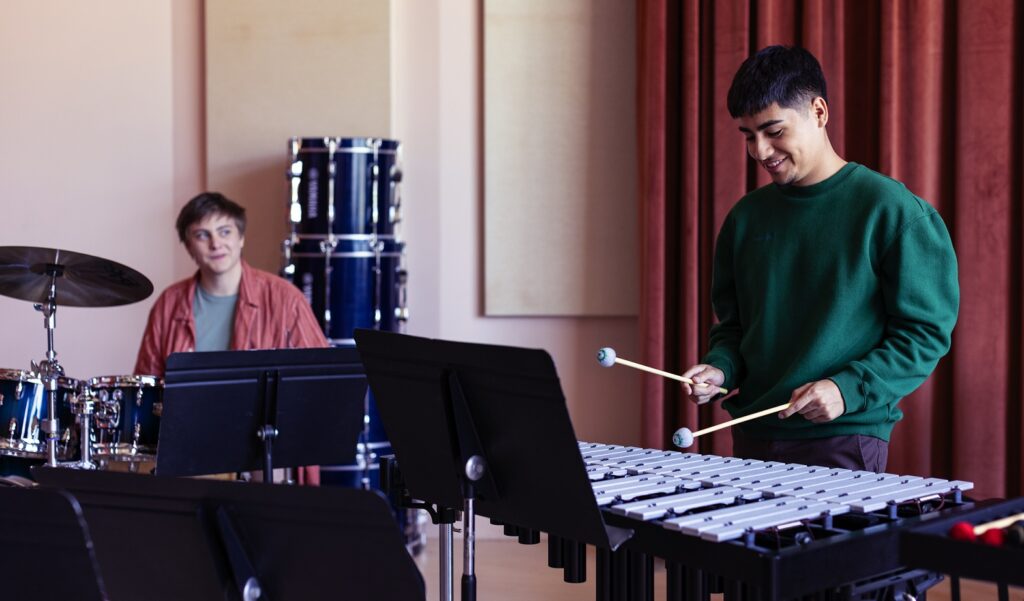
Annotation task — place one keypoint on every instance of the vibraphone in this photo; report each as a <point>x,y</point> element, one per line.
<point>750,529</point>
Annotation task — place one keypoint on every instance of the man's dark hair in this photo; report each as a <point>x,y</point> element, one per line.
<point>787,75</point>
<point>206,204</point>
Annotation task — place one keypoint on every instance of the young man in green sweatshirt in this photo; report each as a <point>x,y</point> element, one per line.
<point>834,286</point>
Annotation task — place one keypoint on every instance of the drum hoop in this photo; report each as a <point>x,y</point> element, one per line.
<point>349,237</point>
<point>359,254</point>
<point>124,381</point>
<point>347,150</point>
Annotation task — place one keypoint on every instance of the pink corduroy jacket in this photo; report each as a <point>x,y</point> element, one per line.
<point>271,313</point>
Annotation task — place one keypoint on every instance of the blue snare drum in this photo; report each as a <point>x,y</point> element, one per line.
<point>126,417</point>
<point>23,404</point>
<point>345,186</point>
<point>357,285</point>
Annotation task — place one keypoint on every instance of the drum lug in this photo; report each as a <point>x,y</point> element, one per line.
<point>295,172</point>
<point>332,148</point>
<point>395,210</point>
<point>12,427</point>
<point>1,399</point>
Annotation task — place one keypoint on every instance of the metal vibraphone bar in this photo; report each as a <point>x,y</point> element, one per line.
<point>752,529</point>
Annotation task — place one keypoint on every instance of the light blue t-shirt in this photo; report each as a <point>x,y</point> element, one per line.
<point>215,320</point>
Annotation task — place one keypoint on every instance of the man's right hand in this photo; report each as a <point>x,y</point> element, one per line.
<point>706,381</point>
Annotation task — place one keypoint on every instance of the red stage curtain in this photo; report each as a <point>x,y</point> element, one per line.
<point>928,92</point>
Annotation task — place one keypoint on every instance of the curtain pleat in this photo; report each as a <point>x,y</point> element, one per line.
<point>927,92</point>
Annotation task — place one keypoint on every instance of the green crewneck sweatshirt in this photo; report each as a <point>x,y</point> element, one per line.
<point>852,279</point>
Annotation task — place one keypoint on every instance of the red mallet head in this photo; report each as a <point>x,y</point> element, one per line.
<point>962,531</point>
<point>993,537</point>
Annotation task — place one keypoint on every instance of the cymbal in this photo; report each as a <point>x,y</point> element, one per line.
<point>83,280</point>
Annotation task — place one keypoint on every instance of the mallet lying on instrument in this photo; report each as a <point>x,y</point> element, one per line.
<point>684,438</point>
<point>607,358</point>
<point>990,533</point>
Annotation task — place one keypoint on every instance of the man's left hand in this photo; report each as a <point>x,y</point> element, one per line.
<point>818,402</point>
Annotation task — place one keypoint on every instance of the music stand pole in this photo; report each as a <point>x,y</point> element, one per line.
<point>475,470</point>
<point>267,434</point>
<point>446,552</point>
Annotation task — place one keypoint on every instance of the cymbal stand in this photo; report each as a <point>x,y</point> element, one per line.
<point>50,369</point>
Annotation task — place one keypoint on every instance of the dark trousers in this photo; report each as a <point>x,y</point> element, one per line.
<point>854,452</point>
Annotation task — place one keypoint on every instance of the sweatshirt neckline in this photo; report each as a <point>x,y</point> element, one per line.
<point>821,187</point>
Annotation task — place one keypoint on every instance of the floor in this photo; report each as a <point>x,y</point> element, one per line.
<point>508,571</point>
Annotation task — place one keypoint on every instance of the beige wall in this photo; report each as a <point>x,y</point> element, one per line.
<point>104,141</point>
<point>98,143</point>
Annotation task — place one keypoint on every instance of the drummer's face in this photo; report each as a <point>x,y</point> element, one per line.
<point>215,244</point>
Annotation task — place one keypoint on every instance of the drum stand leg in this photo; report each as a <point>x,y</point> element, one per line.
<point>447,555</point>
<point>85,436</point>
<point>51,424</point>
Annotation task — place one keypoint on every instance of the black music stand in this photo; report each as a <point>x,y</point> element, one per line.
<point>178,538</point>
<point>49,550</point>
<point>238,411</point>
<point>444,403</point>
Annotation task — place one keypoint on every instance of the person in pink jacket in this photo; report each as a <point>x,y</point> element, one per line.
<point>227,304</point>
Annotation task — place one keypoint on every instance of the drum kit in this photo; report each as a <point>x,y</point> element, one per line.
<point>47,416</point>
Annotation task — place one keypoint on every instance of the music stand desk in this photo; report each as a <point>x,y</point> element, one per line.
<point>49,553</point>
<point>517,413</point>
<point>164,538</point>
<point>218,405</point>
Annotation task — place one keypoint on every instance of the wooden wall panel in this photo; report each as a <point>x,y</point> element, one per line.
<point>280,69</point>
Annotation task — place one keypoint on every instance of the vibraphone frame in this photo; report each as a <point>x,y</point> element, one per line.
<point>858,558</point>
<point>929,546</point>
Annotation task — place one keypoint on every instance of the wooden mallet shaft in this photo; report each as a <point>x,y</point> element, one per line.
<point>740,420</point>
<point>1000,523</point>
<point>666,374</point>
